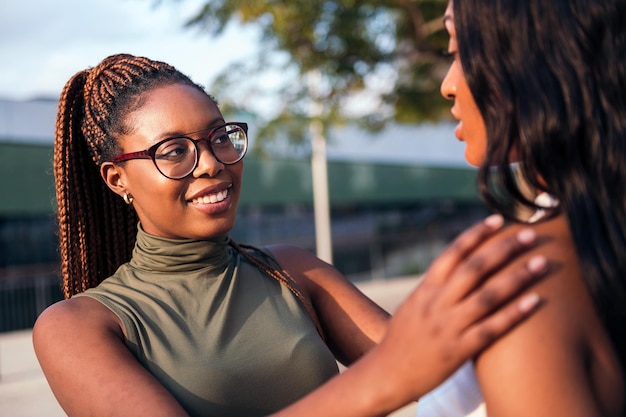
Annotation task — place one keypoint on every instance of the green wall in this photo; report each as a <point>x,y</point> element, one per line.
<point>26,182</point>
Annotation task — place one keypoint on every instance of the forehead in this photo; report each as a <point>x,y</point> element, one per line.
<point>173,110</point>
<point>448,19</point>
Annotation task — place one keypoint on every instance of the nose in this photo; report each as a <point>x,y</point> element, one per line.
<point>207,162</point>
<point>448,85</point>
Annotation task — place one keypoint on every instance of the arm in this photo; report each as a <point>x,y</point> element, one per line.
<point>446,320</point>
<point>95,374</point>
<point>560,361</point>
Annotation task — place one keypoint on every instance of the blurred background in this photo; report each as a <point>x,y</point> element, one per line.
<point>353,154</point>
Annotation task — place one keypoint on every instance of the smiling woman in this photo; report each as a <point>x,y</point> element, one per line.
<point>169,316</point>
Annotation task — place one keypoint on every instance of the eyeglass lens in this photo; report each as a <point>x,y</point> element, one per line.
<point>177,157</point>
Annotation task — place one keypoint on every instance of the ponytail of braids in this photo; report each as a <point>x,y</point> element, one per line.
<point>96,229</point>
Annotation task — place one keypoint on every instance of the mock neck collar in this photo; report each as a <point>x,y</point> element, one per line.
<point>159,254</point>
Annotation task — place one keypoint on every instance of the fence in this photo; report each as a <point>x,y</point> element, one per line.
<point>24,293</point>
<point>367,245</point>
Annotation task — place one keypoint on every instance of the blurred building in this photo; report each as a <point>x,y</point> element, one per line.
<point>397,197</point>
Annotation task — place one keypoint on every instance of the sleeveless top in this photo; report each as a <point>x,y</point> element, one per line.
<point>223,338</point>
<point>459,395</point>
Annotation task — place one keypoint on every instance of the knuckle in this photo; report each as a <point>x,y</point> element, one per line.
<point>475,263</point>
<point>486,335</point>
<point>436,330</point>
<point>427,308</point>
<point>448,352</point>
<point>488,298</point>
<point>521,274</point>
<point>457,246</point>
<point>513,244</point>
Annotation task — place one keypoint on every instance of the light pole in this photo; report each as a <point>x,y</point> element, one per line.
<point>319,172</point>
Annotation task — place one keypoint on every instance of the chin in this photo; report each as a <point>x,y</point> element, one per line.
<point>472,160</point>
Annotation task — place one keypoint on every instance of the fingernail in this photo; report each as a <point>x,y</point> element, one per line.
<point>528,302</point>
<point>526,236</point>
<point>494,221</point>
<point>537,264</point>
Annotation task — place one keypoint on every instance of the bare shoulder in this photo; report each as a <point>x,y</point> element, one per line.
<point>291,255</point>
<point>80,346</point>
<point>560,360</point>
<point>72,326</point>
<point>74,315</point>
<point>304,266</point>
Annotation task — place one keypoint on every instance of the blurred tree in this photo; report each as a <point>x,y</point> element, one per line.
<point>372,61</point>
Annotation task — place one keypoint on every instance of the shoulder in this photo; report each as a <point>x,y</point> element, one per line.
<point>70,317</point>
<point>294,255</point>
<point>81,349</point>
<point>567,314</point>
<point>545,359</point>
<point>306,268</point>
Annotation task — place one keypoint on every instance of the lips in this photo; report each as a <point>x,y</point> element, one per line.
<point>211,196</point>
<point>458,130</point>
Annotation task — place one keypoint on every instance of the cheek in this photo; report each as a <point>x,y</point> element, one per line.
<point>152,188</point>
<point>475,151</point>
<point>475,131</point>
<point>236,171</point>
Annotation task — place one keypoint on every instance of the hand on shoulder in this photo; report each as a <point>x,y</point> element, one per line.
<point>551,360</point>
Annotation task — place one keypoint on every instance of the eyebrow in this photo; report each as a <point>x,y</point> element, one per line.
<point>446,18</point>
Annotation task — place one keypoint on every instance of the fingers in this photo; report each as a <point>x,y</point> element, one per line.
<point>497,293</point>
<point>480,265</point>
<point>460,248</point>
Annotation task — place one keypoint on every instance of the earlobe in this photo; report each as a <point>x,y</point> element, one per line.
<point>113,177</point>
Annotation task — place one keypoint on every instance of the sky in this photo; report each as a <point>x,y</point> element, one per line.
<point>44,42</point>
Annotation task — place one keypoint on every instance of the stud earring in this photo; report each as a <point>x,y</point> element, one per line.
<point>128,199</point>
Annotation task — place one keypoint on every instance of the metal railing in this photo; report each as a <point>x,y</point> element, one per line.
<point>368,246</point>
<point>24,293</point>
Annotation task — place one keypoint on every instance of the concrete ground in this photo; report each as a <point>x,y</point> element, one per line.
<point>24,391</point>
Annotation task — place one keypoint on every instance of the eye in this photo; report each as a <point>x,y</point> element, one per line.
<point>449,54</point>
<point>220,139</point>
<point>174,149</point>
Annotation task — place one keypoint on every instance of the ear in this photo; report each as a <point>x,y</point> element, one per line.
<point>113,176</point>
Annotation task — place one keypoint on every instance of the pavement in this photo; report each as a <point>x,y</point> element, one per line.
<point>24,391</point>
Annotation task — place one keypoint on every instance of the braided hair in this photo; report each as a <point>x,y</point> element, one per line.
<point>97,230</point>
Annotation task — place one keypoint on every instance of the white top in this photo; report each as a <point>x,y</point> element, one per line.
<point>459,395</point>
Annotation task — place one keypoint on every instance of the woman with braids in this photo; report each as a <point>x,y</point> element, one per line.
<point>543,84</point>
<point>166,316</point>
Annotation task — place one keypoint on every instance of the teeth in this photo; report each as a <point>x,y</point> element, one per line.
<point>211,198</point>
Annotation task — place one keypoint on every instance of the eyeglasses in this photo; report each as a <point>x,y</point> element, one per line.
<point>177,157</point>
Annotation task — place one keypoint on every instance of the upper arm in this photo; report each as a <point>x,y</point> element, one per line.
<point>352,322</point>
<point>80,347</point>
<point>540,368</point>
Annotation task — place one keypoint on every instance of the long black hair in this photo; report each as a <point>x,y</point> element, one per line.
<point>549,77</point>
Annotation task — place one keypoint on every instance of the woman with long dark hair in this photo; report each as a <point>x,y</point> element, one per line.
<point>539,89</point>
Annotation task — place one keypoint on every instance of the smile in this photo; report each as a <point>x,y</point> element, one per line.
<point>211,198</point>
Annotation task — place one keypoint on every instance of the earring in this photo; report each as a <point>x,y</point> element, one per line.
<point>128,199</point>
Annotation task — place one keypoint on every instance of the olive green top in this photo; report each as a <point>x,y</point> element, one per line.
<point>223,337</point>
